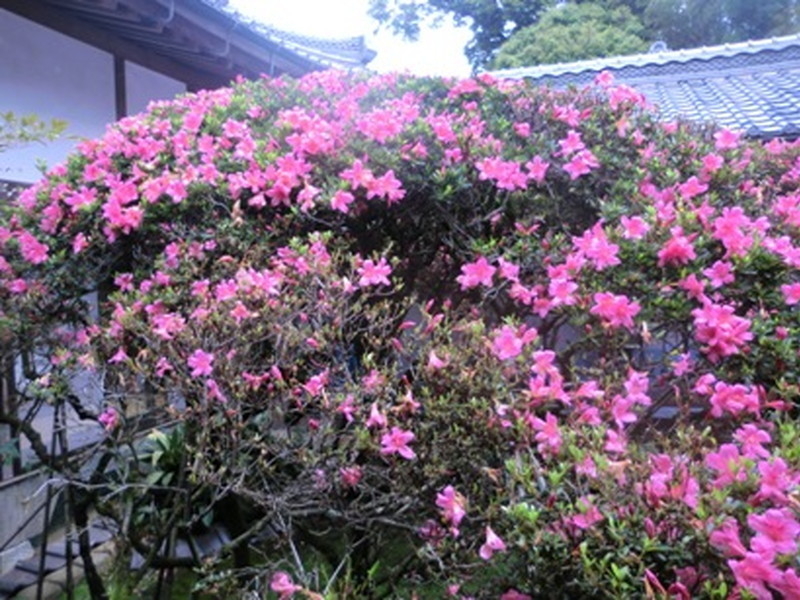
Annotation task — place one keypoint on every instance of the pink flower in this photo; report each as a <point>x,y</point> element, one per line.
<point>376,418</point>
<point>200,363</point>
<point>722,332</point>
<point>634,228</point>
<point>677,251</point>
<point>509,341</point>
<point>507,174</point>
<point>754,573</point>
<point>548,434</point>
<point>594,244</point>
<point>775,480</point>
<point>109,419</point>
<point>581,164</point>
<point>776,532</point>
<point>616,311</point>
<point>572,143</point>
<point>341,201</point>
<point>476,273</point>
<point>692,188</point>
<point>725,139</point>
<point>791,292</point>
<point>374,274</point>
<point>396,442</point>
<point>788,584</point>
<point>750,438</point>
<point>435,362</point>
<point>726,539</point>
<point>282,583</point>
<point>537,169</point>
<point>350,476</point>
<point>32,250</point>
<point>492,544</point>
<point>513,594</point>
<point>728,465</point>
<point>453,507</point>
<point>719,273</point>
<point>733,399</point>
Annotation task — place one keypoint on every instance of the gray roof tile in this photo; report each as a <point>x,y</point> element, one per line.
<point>751,86</point>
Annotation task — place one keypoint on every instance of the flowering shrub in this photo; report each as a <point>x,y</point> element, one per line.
<point>421,335</point>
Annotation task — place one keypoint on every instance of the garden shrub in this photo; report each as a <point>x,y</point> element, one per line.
<point>419,336</point>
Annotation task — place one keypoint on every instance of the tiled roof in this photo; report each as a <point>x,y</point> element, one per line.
<point>752,87</point>
<point>204,43</point>
<point>344,53</point>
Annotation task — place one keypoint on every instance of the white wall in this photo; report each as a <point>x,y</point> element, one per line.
<point>144,85</point>
<point>53,75</point>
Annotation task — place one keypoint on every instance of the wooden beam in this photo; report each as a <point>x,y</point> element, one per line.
<point>120,88</point>
<point>64,22</point>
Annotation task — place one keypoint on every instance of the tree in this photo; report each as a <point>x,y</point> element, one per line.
<point>492,22</point>
<point>574,32</point>
<point>684,24</point>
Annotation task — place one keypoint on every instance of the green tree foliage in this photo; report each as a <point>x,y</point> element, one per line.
<point>574,32</point>
<point>16,130</point>
<point>680,23</point>
<point>492,22</point>
<point>690,24</point>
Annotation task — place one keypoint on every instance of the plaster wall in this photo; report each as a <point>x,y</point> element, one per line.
<point>55,76</point>
<point>51,75</point>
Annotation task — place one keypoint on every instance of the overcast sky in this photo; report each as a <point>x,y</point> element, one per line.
<point>438,52</point>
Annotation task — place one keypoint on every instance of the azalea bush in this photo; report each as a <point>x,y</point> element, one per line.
<point>432,337</point>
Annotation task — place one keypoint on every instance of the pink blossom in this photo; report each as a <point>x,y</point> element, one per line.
<point>722,332</point>
<point>350,476</point>
<point>788,584</point>
<point>32,250</point>
<point>594,244</point>
<point>386,186</point>
<point>720,273</point>
<point>691,188</point>
<point>727,462</point>
<point>109,418</point>
<point>776,532</point>
<point>615,310</point>
<point>562,292</point>
<point>476,273</point>
<point>537,169</point>
<point>581,164</point>
<point>201,363</point>
<point>572,143</point>
<point>725,139</point>
<point>453,507</point>
<point>775,480</point>
<point>505,173</point>
<point>633,228</point>
<point>734,399</point>
<point>677,251</point>
<point>371,273</point>
<point>435,362</point>
<point>396,442</point>
<point>376,418</point>
<point>513,594</point>
<point>754,573</point>
<point>750,438</point>
<point>791,292</point>
<point>492,544</point>
<point>341,201</point>
<point>726,539</point>
<point>282,584</point>
<point>548,434</point>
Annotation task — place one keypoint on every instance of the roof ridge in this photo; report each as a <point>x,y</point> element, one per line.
<point>683,55</point>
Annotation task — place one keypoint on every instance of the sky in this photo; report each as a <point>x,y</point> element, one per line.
<point>439,51</point>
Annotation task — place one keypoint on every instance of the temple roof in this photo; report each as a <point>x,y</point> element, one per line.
<point>752,86</point>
